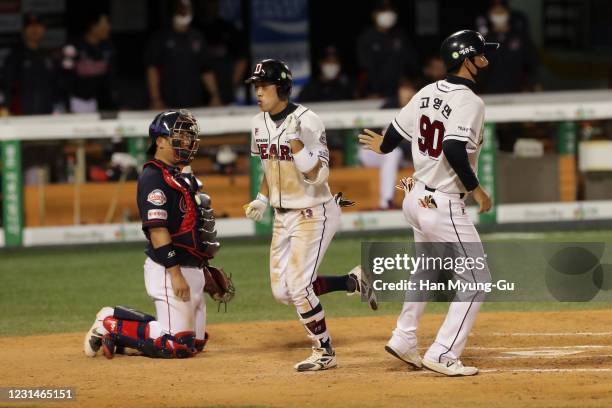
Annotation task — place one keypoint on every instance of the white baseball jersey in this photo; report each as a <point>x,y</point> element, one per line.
<point>440,111</point>
<point>288,189</point>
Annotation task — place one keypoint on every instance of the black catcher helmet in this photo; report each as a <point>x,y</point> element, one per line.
<point>276,72</point>
<point>181,128</point>
<point>463,44</point>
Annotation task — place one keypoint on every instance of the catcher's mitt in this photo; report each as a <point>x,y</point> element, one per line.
<point>218,285</point>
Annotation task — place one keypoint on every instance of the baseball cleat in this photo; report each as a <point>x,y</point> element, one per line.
<point>93,338</point>
<point>93,341</point>
<point>450,368</point>
<point>411,357</point>
<point>364,287</point>
<point>321,359</point>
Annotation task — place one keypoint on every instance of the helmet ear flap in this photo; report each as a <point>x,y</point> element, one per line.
<point>283,91</point>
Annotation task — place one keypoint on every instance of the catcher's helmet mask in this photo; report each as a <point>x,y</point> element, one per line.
<point>272,71</point>
<point>462,45</point>
<point>182,130</point>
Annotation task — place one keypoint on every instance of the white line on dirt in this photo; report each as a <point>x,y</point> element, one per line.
<point>556,357</point>
<point>546,370</point>
<point>548,334</point>
<point>587,346</point>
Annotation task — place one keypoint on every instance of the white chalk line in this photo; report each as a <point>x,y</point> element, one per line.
<point>546,334</point>
<point>586,346</point>
<point>534,357</point>
<point>546,370</point>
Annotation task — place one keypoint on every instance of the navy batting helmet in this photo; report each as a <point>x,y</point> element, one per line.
<point>275,72</point>
<point>463,44</point>
<point>181,128</point>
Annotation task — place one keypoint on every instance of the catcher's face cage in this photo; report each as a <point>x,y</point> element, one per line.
<point>184,137</point>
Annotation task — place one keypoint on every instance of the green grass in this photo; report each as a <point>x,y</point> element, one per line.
<point>60,289</point>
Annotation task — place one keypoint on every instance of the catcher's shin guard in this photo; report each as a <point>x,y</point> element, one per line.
<point>201,343</point>
<point>132,334</point>
<point>130,328</point>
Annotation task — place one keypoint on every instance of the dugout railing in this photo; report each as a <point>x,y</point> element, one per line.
<point>564,111</point>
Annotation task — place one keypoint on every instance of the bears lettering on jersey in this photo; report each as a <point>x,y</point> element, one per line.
<point>272,151</point>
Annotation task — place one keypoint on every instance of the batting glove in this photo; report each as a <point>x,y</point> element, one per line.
<point>406,184</point>
<point>293,127</point>
<point>256,208</point>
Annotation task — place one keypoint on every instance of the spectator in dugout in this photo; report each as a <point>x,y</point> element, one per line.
<point>30,75</point>
<point>179,73</point>
<point>384,53</point>
<point>434,69</point>
<point>516,60</point>
<point>390,163</point>
<point>227,48</point>
<point>331,84</point>
<point>89,67</point>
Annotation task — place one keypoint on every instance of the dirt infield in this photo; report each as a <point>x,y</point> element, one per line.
<point>552,359</point>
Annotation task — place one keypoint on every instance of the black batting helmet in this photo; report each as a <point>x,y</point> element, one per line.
<point>463,44</point>
<point>276,72</point>
<point>181,128</point>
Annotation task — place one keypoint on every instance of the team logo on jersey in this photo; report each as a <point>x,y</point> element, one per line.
<point>182,205</point>
<point>157,197</point>
<point>157,214</point>
<point>323,138</point>
<point>307,213</point>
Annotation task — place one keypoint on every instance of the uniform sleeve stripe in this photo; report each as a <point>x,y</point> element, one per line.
<point>456,136</point>
<point>400,130</point>
<point>459,138</point>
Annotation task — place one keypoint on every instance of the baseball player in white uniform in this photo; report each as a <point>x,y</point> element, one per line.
<point>290,141</point>
<point>444,123</point>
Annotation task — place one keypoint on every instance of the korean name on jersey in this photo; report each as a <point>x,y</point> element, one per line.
<point>441,111</point>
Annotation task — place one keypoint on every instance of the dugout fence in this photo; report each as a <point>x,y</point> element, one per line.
<point>555,174</point>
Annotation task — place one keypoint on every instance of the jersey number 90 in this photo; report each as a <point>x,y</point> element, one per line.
<point>430,138</point>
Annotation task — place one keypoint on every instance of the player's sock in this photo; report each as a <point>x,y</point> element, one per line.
<point>314,323</point>
<point>326,284</point>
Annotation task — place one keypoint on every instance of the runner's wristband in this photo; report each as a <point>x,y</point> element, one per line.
<point>305,160</point>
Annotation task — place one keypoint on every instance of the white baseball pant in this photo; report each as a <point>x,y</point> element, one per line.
<point>448,223</point>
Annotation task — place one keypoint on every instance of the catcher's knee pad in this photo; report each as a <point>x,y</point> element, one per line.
<point>125,333</point>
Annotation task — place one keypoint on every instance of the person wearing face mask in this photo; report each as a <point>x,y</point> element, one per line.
<point>178,69</point>
<point>29,75</point>
<point>517,59</point>
<point>227,49</point>
<point>331,84</point>
<point>88,66</point>
<point>389,164</point>
<point>384,53</point>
